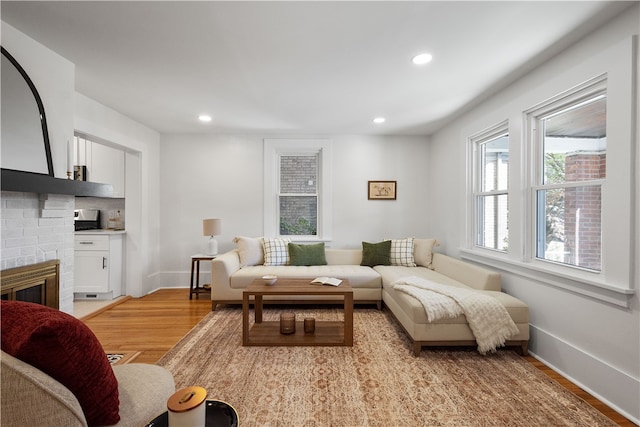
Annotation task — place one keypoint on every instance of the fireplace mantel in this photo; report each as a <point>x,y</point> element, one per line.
<point>29,182</point>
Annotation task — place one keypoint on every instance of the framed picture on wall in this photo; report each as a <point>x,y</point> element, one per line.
<point>382,190</point>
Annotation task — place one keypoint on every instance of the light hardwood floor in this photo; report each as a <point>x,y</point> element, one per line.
<point>154,323</point>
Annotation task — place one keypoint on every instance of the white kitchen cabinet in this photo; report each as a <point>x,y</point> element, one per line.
<point>98,265</point>
<point>107,167</point>
<point>104,164</point>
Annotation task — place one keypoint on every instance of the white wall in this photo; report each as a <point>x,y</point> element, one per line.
<point>66,110</point>
<point>54,77</point>
<point>590,341</point>
<point>141,185</point>
<point>28,236</point>
<point>221,176</point>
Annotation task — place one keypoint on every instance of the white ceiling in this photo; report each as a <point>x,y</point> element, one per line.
<point>300,67</point>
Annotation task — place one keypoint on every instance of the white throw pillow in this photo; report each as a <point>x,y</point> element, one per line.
<point>423,251</point>
<point>250,250</point>
<point>276,251</point>
<point>402,252</point>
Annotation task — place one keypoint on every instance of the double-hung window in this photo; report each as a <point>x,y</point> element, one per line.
<point>297,185</point>
<point>298,194</point>
<point>491,184</point>
<point>565,216</point>
<point>569,142</point>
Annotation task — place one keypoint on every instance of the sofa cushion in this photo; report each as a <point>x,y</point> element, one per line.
<point>250,250</point>
<point>423,251</point>
<point>64,348</point>
<point>144,391</point>
<point>307,254</point>
<point>401,252</point>
<point>518,310</point>
<point>391,273</point>
<point>275,251</point>
<point>358,276</point>
<point>376,253</point>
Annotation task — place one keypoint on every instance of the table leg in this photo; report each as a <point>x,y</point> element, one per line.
<point>245,318</point>
<point>193,263</point>
<point>348,319</point>
<point>257,307</point>
<point>197,288</point>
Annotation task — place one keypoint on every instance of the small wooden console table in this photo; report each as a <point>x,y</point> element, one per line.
<point>327,333</point>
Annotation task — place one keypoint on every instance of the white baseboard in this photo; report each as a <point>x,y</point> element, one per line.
<point>615,388</point>
<point>177,279</point>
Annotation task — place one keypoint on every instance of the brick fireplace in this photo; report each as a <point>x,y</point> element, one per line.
<point>38,228</point>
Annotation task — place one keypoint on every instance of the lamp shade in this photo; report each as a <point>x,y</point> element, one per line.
<point>211,227</point>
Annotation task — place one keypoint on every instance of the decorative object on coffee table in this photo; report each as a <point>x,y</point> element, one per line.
<point>270,279</point>
<point>309,325</point>
<point>287,323</point>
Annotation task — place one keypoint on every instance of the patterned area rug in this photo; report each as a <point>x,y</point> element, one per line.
<point>122,357</point>
<point>377,382</point>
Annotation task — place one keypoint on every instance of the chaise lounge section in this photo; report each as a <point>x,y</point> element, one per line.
<point>410,313</point>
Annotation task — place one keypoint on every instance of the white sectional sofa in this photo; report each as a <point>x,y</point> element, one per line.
<point>232,272</point>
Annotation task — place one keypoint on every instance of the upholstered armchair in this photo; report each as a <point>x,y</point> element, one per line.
<point>55,372</point>
<point>30,397</point>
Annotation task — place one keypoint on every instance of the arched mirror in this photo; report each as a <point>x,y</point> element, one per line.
<point>25,138</point>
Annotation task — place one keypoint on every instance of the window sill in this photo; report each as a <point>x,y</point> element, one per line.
<point>584,286</point>
<point>306,239</point>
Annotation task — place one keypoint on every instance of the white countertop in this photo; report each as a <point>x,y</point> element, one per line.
<point>100,232</point>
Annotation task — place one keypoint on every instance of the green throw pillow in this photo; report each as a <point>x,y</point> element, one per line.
<point>376,253</point>
<point>307,254</point>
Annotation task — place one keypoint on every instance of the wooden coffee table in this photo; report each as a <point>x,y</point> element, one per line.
<point>327,333</point>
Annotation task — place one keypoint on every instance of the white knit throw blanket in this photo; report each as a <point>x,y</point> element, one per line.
<point>489,321</point>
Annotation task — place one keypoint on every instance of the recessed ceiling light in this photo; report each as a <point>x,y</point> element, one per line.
<point>379,120</point>
<point>422,59</point>
<point>204,118</point>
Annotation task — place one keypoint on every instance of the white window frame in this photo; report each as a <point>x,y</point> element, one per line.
<point>474,142</point>
<point>535,151</point>
<point>273,150</point>
<point>615,283</point>
<point>589,94</point>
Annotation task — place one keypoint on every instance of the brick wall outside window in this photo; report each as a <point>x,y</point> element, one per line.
<point>296,173</point>
<point>298,213</point>
<point>583,213</point>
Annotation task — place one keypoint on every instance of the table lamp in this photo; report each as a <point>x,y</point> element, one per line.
<point>212,227</point>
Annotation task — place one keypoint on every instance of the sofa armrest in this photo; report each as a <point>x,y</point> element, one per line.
<point>222,267</point>
<point>467,273</point>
